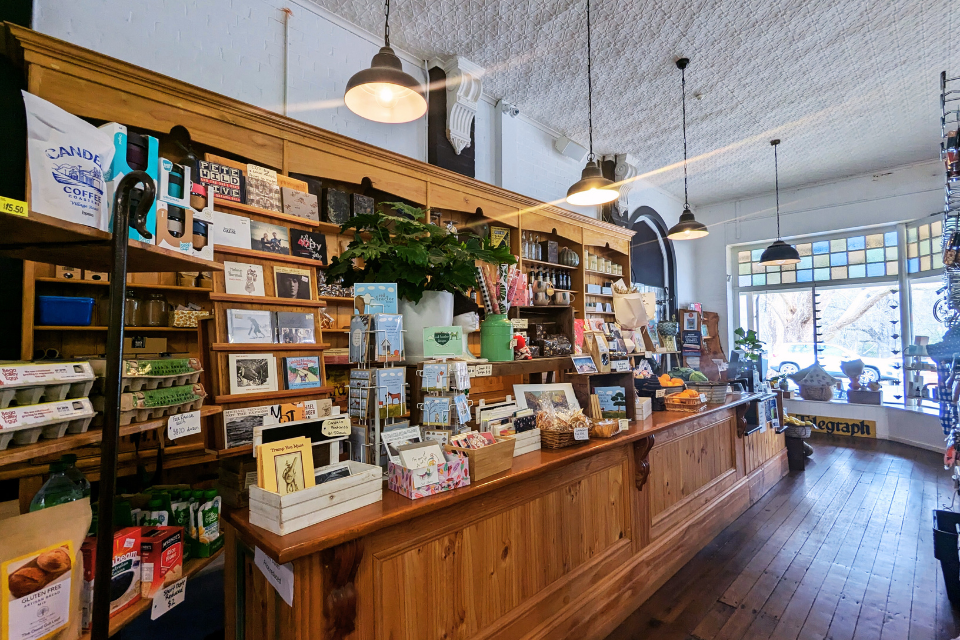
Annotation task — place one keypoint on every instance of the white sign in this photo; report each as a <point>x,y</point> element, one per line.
<point>279,575</point>
<point>703,397</point>
<point>183,424</point>
<point>620,366</point>
<point>624,424</point>
<point>581,433</point>
<point>168,598</point>
<point>480,370</point>
<point>661,393</point>
<point>519,323</point>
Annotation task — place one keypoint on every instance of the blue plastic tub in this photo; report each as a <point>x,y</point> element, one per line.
<point>64,311</point>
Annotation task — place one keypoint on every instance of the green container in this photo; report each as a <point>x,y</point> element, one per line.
<point>496,338</point>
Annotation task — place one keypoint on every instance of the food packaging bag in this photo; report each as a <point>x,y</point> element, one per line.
<point>629,308</point>
<point>67,157</point>
<point>41,572</point>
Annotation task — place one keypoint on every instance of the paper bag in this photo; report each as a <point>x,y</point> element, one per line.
<point>629,308</point>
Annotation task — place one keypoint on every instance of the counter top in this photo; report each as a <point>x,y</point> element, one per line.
<point>395,508</point>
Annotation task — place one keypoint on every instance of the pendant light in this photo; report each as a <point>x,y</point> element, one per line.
<point>687,228</point>
<point>592,188</point>
<point>384,93</point>
<point>779,252</point>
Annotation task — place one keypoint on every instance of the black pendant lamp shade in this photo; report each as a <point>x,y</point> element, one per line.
<point>687,228</point>
<point>592,188</point>
<point>779,252</point>
<point>384,92</point>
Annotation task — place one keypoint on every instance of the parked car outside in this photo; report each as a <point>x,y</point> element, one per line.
<point>791,357</point>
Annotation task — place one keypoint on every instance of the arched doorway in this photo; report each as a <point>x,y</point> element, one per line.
<point>653,262</point>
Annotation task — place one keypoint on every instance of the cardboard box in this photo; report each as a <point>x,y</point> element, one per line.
<point>120,167</point>
<point>161,550</point>
<point>412,483</point>
<point>125,576</point>
<point>143,344</point>
<point>95,276</point>
<point>68,273</point>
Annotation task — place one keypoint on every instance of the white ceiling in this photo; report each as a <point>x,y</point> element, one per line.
<point>850,86</point>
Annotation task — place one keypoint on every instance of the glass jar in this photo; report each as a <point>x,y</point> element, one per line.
<point>593,262</point>
<point>155,311</point>
<point>131,310</point>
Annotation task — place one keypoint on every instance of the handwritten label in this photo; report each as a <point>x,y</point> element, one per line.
<point>481,370</point>
<point>336,427</point>
<point>168,598</point>
<point>581,433</point>
<point>624,424</point>
<point>661,393</point>
<point>279,575</point>
<point>520,323</point>
<point>703,397</point>
<point>620,366</point>
<point>183,424</point>
<point>13,207</point>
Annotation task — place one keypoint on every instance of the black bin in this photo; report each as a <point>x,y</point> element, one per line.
<point>945,533</point>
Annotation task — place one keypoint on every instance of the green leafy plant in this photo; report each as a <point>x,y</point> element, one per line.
<point>748,342</point>
<point>400,247</point>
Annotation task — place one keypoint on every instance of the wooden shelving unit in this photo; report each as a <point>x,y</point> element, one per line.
<point>237,347</point>
<point>266,255</point>
<point>281,302</point>
<point>130,285</point>
<point>272,395</point>
<point>131,330</point>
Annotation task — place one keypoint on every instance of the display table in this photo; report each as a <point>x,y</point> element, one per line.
<point>565,544</point>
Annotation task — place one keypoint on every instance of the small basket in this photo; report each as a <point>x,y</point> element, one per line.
<point>550,439</point>
<point>604,428</point>
<point>716,392</point>
<point>819,392</point>
<point>685,405</point>
<point>797,432</point>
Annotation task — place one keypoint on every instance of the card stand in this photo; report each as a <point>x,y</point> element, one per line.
<point>429,481</point>
<point>295,511</point>
<point>52,420</point>
<point>451,375</point>
<point>453,417</point>
<point>527,442</point>
<point>489,460</point>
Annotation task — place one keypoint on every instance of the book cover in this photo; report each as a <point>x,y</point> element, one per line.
<point>360,390</point>
<point>295,327</point>
<point>302,372</point>
<point>285,466</point>
<point>613,402</point>
<point>388,337</point>
<point>241,278</point>
<point>362,205</point>
<point>336,206</point>
<point>262,188</point>
<point>227,182</point>
<point>442,341</point>
<point>252,372</point>
<point>375,297</point>
<point>436,411</point>
<point>270,238</point>
<point>359,337</point>
<point>238,424</point>
<point>250,327</point>
<point>391,396</point>
<point>229,230</point>
<point>292,283</point>
<point>309,244</point>
<point>434,377</point>
<point>300,204</point>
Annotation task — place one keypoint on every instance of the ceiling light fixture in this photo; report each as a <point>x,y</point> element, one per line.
<point>687,228</point>
<point>592,188</point>
<point>779,252</point>
<point>384,92</point>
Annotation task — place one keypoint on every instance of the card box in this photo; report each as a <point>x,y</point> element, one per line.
<point>453,474</point>
<point>300,204</point>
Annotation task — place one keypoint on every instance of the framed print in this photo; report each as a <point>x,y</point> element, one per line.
<point>536,396</point>
<point>252,373</point>
<point>584,364</point>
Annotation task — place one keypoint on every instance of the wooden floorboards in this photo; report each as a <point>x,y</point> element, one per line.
<point>841,551</point>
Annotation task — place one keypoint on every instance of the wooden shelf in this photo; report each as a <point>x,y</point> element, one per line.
<point>541,263</point>
<point>336,299</point>
<point>602,273</point>
<point>336,330</point>
<point>131,330</point>
<point>51,240</point>
<point>599,295</point>
<point>240,347</point>
<point>603,313</point>
<point>272,395</point>
<point>284,302</point>
<point>266,255</point>
<point>190,568</point>
<point>220,205</point>
<point>17,453</point>
<point>130,285</point>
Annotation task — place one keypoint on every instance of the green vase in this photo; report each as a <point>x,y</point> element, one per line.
<point>496,338</point>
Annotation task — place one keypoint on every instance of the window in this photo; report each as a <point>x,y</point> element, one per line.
<point>923,246</point>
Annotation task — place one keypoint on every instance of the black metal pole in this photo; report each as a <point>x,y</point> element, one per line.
<point>111,409</point>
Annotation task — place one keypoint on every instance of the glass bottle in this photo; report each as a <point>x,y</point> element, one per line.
<point>523,244</point>
<point>155,310</point>
<point>131,311</point>
<point>71,471</point>
<point>58,489</point>
<point>539,249</point>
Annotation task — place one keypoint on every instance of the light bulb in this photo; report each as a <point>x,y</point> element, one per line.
<point>386,97</point>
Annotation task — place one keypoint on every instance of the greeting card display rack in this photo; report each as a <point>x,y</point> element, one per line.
<point>366,448</point>
<point>453,422</point>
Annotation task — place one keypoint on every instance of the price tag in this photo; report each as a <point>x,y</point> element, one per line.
<point>13,207</point>
<point>661,393</point>
<point>482,370</point>
<point>168,598</point>
<point>703,397</point>
<point>183,424</point>
<point>624,424</point>
<point>336,427</point>
<point>620,366</point>
<point>279,575</point>
<point>581,433</point>
<point>519,323</point>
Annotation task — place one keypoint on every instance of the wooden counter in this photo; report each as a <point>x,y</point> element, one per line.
<point>566,544</point>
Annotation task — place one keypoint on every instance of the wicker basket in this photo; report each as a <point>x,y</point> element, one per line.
<point>808,392</point>
<point>797,432</point>
<point>716,392</point>
<point>685,405</point>
<point>551,439</point>
<point>605,428</point>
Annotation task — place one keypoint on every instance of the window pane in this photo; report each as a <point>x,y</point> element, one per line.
<point>937,261</point>
<point>890,238</point>
<point>789,277</point>
<point>893,268</point>
<point>744,281</point>
<point>805,263</point>
<point>840,244</point>
<point>838,259</point>
<point>875,270</point>
<point>912,235</point>
<point>821,247</point>
<point>743,256</point>
<point>874,255</point>
<point>744,268</point>
<point>774,269</point>
<point>822,260</point>
<point>805,275</point>
<point>937,228</point>
<point>891,253</point>
<point>821,274</point>
<point>789,267</point>
<point>855,243</point>
<point>858,271</point>
<point>838,273</point>
<point>758,268</point>
<point>804,249</point>
<point>875,241</point>
<point>924,263</point>
<point>756,254</point>
<point>913,250</point>
<point>913,265</point>
<point>924,247</point>
<point>924,231</point>
<point>759,280</point>
<point>773,278</point>
<point>858,257</point>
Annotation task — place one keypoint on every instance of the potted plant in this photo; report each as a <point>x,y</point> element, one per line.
<point>748,342</point>
<point>428,263</point>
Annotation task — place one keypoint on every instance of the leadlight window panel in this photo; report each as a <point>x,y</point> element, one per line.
<point>924,247</point>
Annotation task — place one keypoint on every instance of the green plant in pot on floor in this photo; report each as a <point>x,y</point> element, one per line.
<point>428,263</point>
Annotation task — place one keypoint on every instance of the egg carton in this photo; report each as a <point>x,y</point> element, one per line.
<point>30,383</point>
<point>148,375</point>
<point>27,424</point>
<point>153,404</point>
<point>142,415</point>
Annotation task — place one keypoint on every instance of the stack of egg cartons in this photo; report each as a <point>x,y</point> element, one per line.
<point>47,399</point>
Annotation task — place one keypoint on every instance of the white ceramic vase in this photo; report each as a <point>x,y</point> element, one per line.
<point>435,309</point>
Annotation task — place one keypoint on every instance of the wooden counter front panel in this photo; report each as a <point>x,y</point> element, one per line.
<point>505,562</point>
<point>760,447</point>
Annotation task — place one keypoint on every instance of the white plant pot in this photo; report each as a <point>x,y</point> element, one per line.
<point>435,309</point>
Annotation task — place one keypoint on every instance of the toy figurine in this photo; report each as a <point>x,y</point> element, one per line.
<point>520,350</point>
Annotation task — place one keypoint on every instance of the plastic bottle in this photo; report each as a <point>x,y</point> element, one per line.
<point>71,471</point>
<point>58,489</point>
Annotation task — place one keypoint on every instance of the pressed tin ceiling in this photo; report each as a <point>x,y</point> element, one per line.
<point>850,87</point>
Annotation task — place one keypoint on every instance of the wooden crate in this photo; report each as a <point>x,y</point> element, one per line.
<point>527,442</point>
<point>292,512</point>
<point>490,460</point>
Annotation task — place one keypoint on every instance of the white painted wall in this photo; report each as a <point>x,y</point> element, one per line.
<point>236,48</point>
<point>903,193</point>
